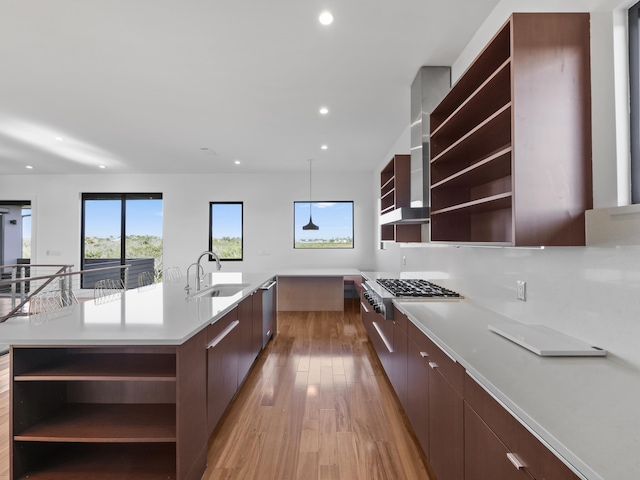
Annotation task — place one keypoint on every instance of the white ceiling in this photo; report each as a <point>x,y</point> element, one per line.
<point>141,86</point>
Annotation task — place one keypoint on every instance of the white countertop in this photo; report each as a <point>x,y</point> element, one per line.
<point>587,409</point>
<point>159,314</point>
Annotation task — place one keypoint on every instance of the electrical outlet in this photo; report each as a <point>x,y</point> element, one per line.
<point>522,290</point>
<point>404,260</point>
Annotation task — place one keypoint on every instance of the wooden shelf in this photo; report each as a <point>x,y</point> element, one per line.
<point>511,141</point>
<point>495,166</point>
<point>495,202</point>
<point>109,412</point>
<point>486,137</point>
<point>105,367</point>
<point>111,423</point>
<point>395,184</point>
<point>497,51</point>
<point>100,462</point>
<point>490,97</point>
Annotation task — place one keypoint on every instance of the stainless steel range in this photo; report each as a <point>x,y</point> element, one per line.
<point>381,293</point>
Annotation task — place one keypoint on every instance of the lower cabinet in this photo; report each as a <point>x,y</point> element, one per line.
<point>418,382</point>
<point>233,344</point>
<point>223,345</point>
<point>400,351</point>
<point>446,428</point>
<point>464,432</point>
<point>485,455</point>
<point>509,451</point>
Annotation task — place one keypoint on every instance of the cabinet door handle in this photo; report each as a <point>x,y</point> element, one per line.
<point>223,334</point>
<point>515,461</point>
<point>386,342</point>
<point>424,355</point>
<point>433,365</point>
<point>366,310</point>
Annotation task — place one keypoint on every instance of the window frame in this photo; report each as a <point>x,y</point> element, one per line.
<point>122,197</point>
<point>353,241</point>
<point>210,241</point>
<point>634,98</point>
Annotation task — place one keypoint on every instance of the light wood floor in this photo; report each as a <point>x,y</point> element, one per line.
<point>315,406</point>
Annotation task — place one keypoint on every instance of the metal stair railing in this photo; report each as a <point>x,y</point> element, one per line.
<point>49,295</point>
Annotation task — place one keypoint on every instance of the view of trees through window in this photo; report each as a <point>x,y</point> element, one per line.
<point>334,221</point>
<point>121,228</point>
<point>225,229</point>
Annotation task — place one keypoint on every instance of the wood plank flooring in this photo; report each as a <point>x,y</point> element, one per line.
<point>315,406</point>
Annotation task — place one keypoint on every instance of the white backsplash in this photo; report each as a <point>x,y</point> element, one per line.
<point>591,293</point>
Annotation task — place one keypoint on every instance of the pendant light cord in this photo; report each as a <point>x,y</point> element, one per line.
<point>310,195</point>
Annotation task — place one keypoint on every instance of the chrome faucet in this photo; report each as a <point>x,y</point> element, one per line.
<point>188,288</point>
<point>198,276</point>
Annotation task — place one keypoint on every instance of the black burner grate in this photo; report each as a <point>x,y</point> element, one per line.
<point>415,288</point>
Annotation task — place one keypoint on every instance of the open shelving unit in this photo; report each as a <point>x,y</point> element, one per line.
<point>511,142</point>
<point>395,185</point>
<point>105,412</point>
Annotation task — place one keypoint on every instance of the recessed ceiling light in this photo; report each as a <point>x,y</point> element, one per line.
<point>60,139</point>
<point>102,166</point>
<point>324,147</point>
<point>324,110</point>
<point>326,18</point>
<point>29,167</point>
<point>237,162</point>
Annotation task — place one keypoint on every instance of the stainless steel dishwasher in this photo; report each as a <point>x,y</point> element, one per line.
<point>269,313</point>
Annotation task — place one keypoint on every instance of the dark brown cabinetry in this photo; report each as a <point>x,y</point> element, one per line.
<point>446,414</point>
<point>418,380</point>
<point>107,412</point>
<point>223,345</point>
<point>511,142</point>
<point>399,373</point>
<point>233,344</point>
<point>464,432</point>
<point>498,446</point>
<point>429,386</point>
<point>395,192</point>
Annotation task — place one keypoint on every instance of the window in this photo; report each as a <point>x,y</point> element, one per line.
<point>225,230</point>
<point>334,221</point>
<point>634,93</point>
<point>120,229</point>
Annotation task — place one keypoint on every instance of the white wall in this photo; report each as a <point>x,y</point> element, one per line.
<point>268,214</point>
<point>587,292</point>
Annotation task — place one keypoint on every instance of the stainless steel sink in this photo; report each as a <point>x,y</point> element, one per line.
<point>220,290</point>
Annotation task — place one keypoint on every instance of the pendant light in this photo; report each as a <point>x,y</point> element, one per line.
<point>310,225</point>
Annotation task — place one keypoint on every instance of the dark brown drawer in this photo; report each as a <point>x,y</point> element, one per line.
<point>451,370</point>
<point>537,458</point>
<point>214,329</point>
<point>400,319</point>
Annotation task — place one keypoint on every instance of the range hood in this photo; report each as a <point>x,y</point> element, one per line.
<point>427,91</point>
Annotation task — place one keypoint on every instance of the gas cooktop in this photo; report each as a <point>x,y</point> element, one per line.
<point>415,288</point>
